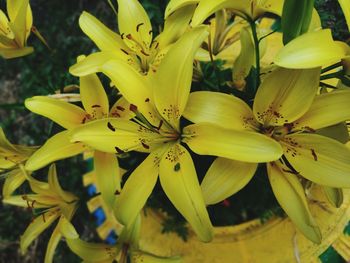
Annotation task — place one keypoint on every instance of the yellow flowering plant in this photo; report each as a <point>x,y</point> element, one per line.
<point>270,103</point>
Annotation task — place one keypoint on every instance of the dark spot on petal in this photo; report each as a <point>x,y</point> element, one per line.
<point>138,27</point>
<point>133,108</point>
<point>145,145</point>
<point>118,150</point>
<point>314,154</point>
<point>110,126</point>
<point>177,167</point>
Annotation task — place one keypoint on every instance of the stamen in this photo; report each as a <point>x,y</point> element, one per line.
<point>96,106</point>
<point>160,125</point>
<point>124,51</point>
<point>122,35</point>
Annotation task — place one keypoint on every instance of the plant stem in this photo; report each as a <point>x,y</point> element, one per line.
<point>257,52</point>
<point>336,65</point>
<point>12,106</point>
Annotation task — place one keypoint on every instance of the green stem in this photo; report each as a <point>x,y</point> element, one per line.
<point>336,65</point>
<point>337,74</point>
<point>257,52</point>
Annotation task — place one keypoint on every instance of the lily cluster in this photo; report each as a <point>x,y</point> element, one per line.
<point>291,125</point>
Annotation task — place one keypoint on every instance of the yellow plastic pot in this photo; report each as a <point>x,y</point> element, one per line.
<point>274,241</point>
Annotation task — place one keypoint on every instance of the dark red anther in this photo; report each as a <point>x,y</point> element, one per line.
<point>143,52</point>
<point>129,36</point>
<point>122,35</point>
<point>96,106</point>
<point>117,192</point>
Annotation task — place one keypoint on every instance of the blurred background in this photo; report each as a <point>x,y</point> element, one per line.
<point>46,71</point>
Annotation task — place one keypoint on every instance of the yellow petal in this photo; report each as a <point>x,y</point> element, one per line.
<point>319,159</point>
<point>278,99</point>
<point>310,50</point>
<point>143,257</point>
<point>221,109</point>
<point>56,187</point>
<point>13,180</point>
<point>67,229</point>
<point>103,37</point>
<point>65,114</point>
<point>94,62</point>
<point>121,109</point>
<point>5,144</point>
<point>15,52</point>
<point>224,178</point>
<point>326,110</point>
<point>56,148</point>
<point>133,21</point>
<point>345,6</point>
<point>137,189</point>
<point>107,176</point>
<point>93,96</point>
<point>246,59</point>
<point>116,135</point>
<point>208,7</point>
<point>175,26</point>
<point>36,227</point>
<point>4,26</point>
<point>27,201</point>
<point>334,195</point>
<point>291,196</point>
<point>245,146</point>
<point>92,252</point>
<point>175,5</point>
<point>52,245</point>
<point>171,96</point>
<point>17,11</point>
<point>131,233</point>
<point>136,88</point>
<point>179,181</point>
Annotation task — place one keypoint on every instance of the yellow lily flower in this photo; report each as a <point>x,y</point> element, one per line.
<point>69,116</point>
<point>159,103</point>
<point>127,246</point>
<point>345,6</point>
<point>12,159</point>
<point>135,44</point>
<point>15,31</point>
<point>302,53</point>
<point>247,9</point>
<point>287,110</point>
<point>53,203</point>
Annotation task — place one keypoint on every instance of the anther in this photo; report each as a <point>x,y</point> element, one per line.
<point>314,154</point>
<point>96,106</point>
